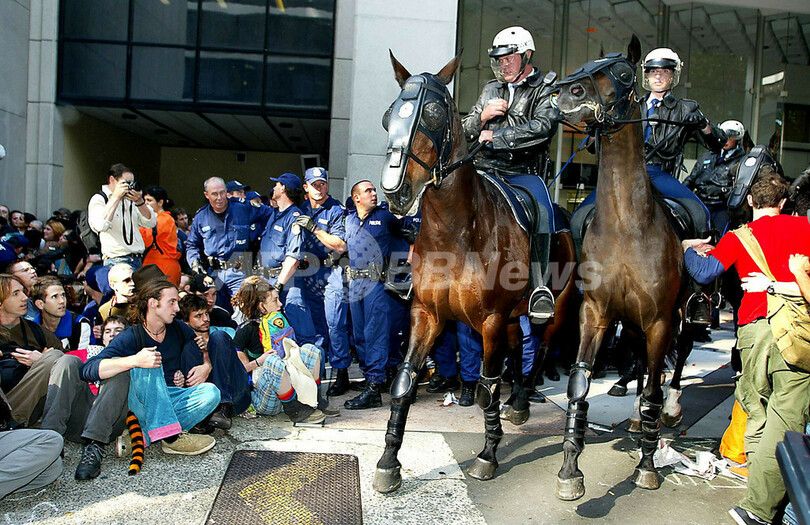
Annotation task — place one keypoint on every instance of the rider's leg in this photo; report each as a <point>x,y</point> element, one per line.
<point>671,187</point>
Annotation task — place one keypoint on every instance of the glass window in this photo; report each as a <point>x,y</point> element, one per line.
<point>230,77</point>
<point>96,71</point>
<point>233,24</point>
<point>298,83</point>
<point>162,74</point>
<point>301,25</point>
<point>164,22</point>
<point>98,19</point>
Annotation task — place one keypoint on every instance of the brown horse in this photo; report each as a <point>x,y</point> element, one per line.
<point>471,258</point>
<point>639,256</point>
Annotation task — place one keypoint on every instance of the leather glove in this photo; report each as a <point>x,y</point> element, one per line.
<point>306,222</point>
<point>197,267</point>
<point>696,120</point>
<point>278,286</point>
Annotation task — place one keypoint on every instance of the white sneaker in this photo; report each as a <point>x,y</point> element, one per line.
<point>123,445</point>
<point>189,444</point>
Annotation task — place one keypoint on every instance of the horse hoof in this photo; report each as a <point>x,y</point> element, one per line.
<point>482,469</point>
<point>518,417</point>
<point>671,421</point>
<point>387,480</point>
<point>647,479</point>
<point>634,426</point>
<point>570,489</point>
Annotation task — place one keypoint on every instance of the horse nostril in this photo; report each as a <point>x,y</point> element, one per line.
<point>405,193</point>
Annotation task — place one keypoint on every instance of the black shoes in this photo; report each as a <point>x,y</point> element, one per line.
<point>699,309</point>
<point>221,418</point>
<point>467,394</point>
<point>298,412</point>
<point>552,374</point>
<point>443,384</point>
<point>90,465</point>
<point>541,305</point>
<point>358,386</point>
<point>341,384</point>
<point>369,398</point>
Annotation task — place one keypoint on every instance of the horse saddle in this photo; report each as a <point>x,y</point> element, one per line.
<point>529,215</point>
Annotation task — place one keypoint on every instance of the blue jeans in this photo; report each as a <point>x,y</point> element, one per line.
<point>165,411</point>
<point>228,374</point>
<point>135,261</point>
<point>324,296</point>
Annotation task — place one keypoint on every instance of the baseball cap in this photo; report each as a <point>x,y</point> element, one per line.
<point>289,180</point>
<point>252,195</point>
<point>96,278</point>
<point>201,283</point>
<point>7,254</point>
<point>313,174</point>
<point>235,185</point>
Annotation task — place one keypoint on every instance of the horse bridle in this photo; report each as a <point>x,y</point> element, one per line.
<point>424,105</point>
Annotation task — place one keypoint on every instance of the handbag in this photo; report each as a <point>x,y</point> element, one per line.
<point>788,315</point>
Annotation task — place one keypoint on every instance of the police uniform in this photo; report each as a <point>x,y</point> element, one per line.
<point>215,238</point>
<point>711,180</point>
<point>323,284</point>
<point>370,242</point>
<point>281,240</point>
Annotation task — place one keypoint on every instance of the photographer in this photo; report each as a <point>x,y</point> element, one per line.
<point>115,213</point>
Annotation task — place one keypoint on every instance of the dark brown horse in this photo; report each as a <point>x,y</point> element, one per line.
<point>471,258</point>
<point>637,253</point>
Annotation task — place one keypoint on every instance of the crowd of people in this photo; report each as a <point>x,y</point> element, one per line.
<point>133,304</point>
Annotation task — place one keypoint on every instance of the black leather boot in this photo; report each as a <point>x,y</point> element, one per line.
<point>369,398</point>
<point>467,394</point>
<point>341,384</point>
<point>443,384</point>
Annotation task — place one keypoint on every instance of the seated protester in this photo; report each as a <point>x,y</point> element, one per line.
<point>120,279</point>
<point>205,287</point>
<point>50,299</point>
<point>27,275</point>
<point>228,373</point>
<point>259,343</point>
<point>150,352</point>
<point>38,378</point>
<point>96,288</point>
<point>185,284</point>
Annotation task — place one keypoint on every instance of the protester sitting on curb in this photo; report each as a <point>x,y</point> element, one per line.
<point>261,350</point>
<point>150,352</point>
<point>204,286</point>
<point>39,379</point>
<point>72,329</point>
<point>120,279</point>
<point>228,373</point>
<point>27,275</point>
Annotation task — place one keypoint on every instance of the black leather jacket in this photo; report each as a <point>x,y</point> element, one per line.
<point>670,154</point>
<point>521,137</point>
<point>711,179</point>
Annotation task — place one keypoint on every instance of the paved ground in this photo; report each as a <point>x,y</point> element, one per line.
<point>439,444</point>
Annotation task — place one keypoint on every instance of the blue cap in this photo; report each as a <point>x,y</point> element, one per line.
<point>235,185</point>
<point>252,195</point>
<point>7,254</point>
<point>313,174</point>
<point>289,180</point>
<point>97,279</point>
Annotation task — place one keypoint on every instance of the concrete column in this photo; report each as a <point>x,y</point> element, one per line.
<point>421,34</point>
<point>42,185</point>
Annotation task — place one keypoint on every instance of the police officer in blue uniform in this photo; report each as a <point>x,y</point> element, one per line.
<point>322,216</point>
<point>370,234</point>
<point>219,238</point>
<point>280,255</point>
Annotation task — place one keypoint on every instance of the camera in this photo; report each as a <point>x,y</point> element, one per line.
<point>133,185</point>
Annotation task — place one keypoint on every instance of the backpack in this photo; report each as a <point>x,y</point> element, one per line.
<point>788,316</point>
<point>88,237</point>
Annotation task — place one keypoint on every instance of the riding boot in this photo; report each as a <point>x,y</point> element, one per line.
<point>541,300</point>
<point>699,309</point>
<point>341,384</point>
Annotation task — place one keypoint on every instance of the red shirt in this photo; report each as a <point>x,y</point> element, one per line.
<point>780,236</point>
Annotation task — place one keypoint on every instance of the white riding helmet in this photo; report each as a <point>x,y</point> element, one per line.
<point>733,129</point>
<point>513,39</point>
<point>663,58</point>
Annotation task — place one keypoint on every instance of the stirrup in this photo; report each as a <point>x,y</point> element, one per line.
<point>541,305</point>
<point>698,309</point>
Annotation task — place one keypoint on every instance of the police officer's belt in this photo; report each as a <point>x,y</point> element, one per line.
<point>267,273</point>
<point>220,264</point>
<point>373,272</point>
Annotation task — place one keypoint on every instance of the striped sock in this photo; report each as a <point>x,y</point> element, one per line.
<point>287,396</point>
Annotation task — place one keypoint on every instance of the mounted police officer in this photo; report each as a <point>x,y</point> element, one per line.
<point>220,235</point>
<point>280,255</point>
<point>514,118</point>
<point>322,216</point>
<point>711,178</point>
<point>370,234</point>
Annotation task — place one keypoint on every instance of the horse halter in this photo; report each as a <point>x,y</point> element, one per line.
<point>423,105</point>
<point>622,74</point>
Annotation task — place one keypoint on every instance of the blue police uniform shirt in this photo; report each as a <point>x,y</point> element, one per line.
<point>330,218</point>
<point>279,240</point>
<point>215,237</point>
<point>371,240</point>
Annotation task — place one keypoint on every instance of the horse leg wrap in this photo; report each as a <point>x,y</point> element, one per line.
<point>488,393</point>
<point>404,381</point>
<point>576,419</point>
<point>650,427</point>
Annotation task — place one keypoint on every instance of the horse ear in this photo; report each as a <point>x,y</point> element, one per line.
<point>634,50</point>
<point>446,74</point>
<point>747,142</point>
<point>400,73</point>
<point>602,51</point>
